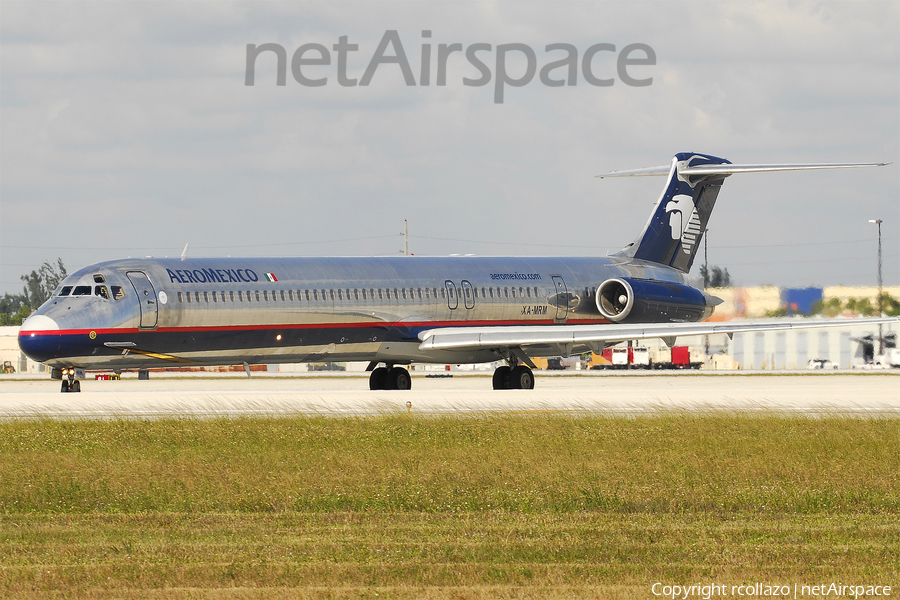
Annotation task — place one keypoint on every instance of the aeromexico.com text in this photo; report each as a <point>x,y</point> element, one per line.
<point>313,65</point>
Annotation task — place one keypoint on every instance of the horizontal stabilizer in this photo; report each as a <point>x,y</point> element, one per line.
<point>729,169</point>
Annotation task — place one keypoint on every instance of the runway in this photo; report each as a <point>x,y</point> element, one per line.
<point>859,394</point>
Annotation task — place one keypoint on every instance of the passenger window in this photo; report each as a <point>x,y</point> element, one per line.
<point>396,295</point>
<point>82,290</point>
<point>380,294</point>
<point>232,296</point>
<point>491,290</point>
<point>266,295</point>
<point>506,292</point>
<point>189,297</point>
<point>404,293</point>
<point>180,298</point>
<point>257,296</point>
<point>65,291</point>
<point>215,297</point>
<point>340,295</point>
<point>468,292</point>
<point>290,295</point>
<point>528,292</point>
<point>315,294</point>
<point>197,296</point>
<point>332,294</point>
<point>206,297</point>
<point>443,293</point>
<point>355,294</point>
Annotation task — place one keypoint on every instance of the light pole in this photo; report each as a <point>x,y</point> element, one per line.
<point>880,290</point>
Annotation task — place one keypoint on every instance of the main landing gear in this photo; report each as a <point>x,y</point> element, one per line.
<point>390,378</point>
<point>518,377</point>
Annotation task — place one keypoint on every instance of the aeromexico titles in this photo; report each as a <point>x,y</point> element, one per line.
<point>139,314</point>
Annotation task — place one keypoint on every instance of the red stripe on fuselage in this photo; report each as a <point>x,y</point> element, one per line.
<point>406,324</point>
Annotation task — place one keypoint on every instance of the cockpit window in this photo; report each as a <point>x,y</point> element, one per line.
<point>100,290</point>
<point>65,290</point>
<point>118,292</point>
<point>98,278</point>
<point>82,290</point>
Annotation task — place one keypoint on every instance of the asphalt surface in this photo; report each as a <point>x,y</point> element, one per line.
<point>867,394</point>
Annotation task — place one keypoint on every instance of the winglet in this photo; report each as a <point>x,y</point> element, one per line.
<point>184,252</point>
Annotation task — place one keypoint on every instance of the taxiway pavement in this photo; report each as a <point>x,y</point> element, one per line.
<point>860,394</point>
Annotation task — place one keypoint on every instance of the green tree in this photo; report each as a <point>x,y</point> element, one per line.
<point>716,277</point>
<point>891,305</point>
<point>39,284</point>
<point>830,308</point>
<point>15,318</point>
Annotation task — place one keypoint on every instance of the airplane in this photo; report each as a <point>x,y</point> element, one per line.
<point>392,311</point>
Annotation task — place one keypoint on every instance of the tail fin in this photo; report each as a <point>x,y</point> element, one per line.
<point>675,229</point>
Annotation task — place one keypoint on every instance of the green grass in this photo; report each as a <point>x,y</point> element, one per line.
<point>446,507</point>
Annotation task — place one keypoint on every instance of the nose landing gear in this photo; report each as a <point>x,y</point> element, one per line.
<point>69,383</point>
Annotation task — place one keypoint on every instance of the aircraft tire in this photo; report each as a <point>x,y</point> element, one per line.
<point>378,380</point>
<point>399,379</point>
<point>501,378</point>
<point>76,386</point>
<point>65,387</point>
<point>521,378</point>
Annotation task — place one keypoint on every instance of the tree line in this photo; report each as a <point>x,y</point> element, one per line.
<point>39,286</point>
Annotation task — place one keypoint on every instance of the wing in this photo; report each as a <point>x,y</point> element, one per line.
<point>567,339</point>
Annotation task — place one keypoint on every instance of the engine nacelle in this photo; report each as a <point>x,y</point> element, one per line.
<point>629,300</point>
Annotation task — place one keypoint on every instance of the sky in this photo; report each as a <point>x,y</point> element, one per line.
<point>127,129</point>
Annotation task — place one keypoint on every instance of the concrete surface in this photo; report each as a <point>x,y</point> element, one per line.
<point>873,394</point>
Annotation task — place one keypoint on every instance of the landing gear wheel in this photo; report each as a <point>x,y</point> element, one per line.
<point>378,380</point>
<point>521,378</point>
<point>501,378</point>
<point>399,379</point>
<point>65,387</point>
<point>76,386</point>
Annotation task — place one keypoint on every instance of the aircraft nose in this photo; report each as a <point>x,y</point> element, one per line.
<point>39,338</point>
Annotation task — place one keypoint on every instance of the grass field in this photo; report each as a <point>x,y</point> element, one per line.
<point>489,507</point>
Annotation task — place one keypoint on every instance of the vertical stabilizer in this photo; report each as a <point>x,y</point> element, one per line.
<point>675,229</point>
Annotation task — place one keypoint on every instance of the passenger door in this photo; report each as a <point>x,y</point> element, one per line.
<point>146,298</point>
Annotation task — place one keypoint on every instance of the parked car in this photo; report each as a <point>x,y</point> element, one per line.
<point>820,363</point>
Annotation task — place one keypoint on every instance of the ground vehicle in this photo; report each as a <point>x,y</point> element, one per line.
<point>677,357</point>
<point>7,367</point>
<point>820,363</point>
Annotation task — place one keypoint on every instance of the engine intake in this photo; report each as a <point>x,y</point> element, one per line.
<point>630,300</point>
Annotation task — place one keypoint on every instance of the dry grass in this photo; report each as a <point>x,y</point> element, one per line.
<point>514,507</point>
